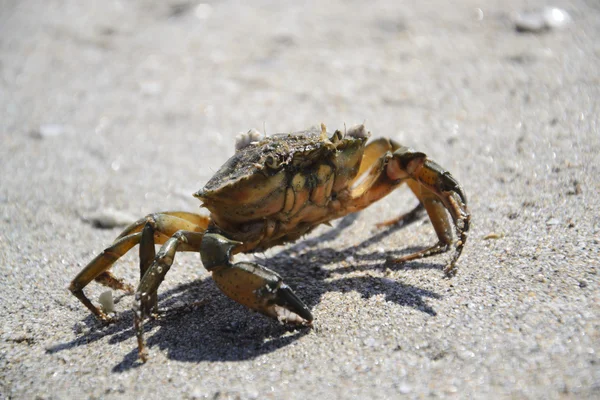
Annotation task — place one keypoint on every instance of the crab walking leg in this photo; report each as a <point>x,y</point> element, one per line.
<point>405,218</point>
<point>386,165</point>
<point>250,284</point>
<point>198,220</point>
<point>161,227</point>
<point>97,268</point>
<point>147,255</point>
<point>108,279</point>
<point>439,192</point>
<point>145,295</point>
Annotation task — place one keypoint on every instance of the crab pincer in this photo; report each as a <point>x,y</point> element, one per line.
<point>250,284</point>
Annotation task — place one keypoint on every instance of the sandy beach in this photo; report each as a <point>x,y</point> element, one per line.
<point>122,108</point>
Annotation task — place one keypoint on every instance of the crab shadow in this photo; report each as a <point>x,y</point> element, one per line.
<point>196,323</point>
<point>201,324</point>
<point>297,261</point>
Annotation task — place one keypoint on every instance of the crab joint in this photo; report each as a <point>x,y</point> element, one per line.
<point>215,251</point>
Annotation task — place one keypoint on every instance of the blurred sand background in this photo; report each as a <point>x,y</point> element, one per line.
<point>133,105</point>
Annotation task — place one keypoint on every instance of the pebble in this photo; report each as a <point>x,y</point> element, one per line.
<point>46,131</point>
<point>109,218</point>
<point>404,388</point>
<point>541,20</point>
<point>553,221</point>
<point>107,302</point>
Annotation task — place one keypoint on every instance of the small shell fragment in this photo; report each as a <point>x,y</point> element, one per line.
<point>556,17</point>
<point>106,301</point>
<point>493,235</point>
<point>46,131</point>
<point>542,20</point>
<point>553,221</point>
<point>358,131</point>
<point>246,139</point>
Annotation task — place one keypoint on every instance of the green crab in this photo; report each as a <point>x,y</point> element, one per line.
<point>274,190</point>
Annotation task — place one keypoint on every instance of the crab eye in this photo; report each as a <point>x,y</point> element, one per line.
<point>272,162</point>
<point>337,137</point>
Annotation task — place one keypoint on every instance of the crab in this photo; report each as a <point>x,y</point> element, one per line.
<point>273,190</point>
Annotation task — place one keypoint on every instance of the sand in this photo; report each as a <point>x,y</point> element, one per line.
<point>129,107</point>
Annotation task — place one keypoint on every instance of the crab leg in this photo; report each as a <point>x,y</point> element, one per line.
<point>145,295</point>
<point>386,165</point>
<point>147,255</point>
<point>439,192</point>
<point>196,219</point>
<point>160,227</point>
<point>97,268</point>
<point>405,218</point>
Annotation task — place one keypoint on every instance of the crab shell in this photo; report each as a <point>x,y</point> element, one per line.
<point>293,179</point>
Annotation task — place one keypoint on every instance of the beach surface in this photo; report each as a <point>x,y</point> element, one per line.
<point>113,110</point>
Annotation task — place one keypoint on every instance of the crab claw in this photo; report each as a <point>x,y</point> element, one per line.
<point>250,284</point>
<point>262,290</point>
